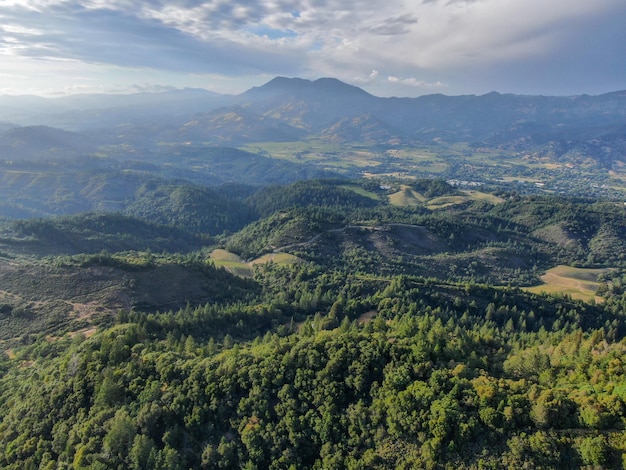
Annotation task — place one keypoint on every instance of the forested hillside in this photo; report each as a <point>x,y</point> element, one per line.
<point>323,324</point>
<point>403,372</point>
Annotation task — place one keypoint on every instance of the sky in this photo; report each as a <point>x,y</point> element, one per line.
<point>389,48</point>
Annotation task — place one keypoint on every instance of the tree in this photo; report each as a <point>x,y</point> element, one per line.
<point>119,439</point>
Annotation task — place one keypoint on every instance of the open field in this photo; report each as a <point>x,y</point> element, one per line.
<point>327,154</point>
<point>278,258</point>
<point>579,283</point>
<point>231,263</point>
<point>491,166</point>
<point>406,197</point>
<point>445,201</point>
<point>237,266</point>
<point>480,196</point>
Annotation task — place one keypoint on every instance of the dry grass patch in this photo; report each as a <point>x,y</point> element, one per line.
<point>226,256</point>
<point>367,316</point>
<point>278,258</point>
<point>579,283</point>
<point>231,263</point>
<point>445,201</point>
<point>480,196</point>
<point>406,197</point>
<point>235,265</point>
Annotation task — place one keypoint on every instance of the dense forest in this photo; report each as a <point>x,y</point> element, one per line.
<point>397,335</point>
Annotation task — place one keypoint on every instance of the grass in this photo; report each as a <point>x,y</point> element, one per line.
<point>468,195</point>
<point>231,263</point>
<point>579,283</point>
<point>360,191</point>
<point>235,265</point>
<point>406,197</point>
<point>278,258</point>
<point>328,154</point>
<point>480,196</point>
<point>224,256</point>
<point>445,201</point>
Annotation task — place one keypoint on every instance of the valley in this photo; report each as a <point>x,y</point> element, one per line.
<point>308,276</point>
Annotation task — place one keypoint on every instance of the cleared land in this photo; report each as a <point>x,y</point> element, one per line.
<point>406,197</point>
<point>579,283</point>
<point>237,266</point>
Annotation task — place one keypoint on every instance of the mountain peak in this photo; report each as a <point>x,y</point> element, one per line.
<point>332,84</point>
<point>301,85</point>
<point>285,83</point>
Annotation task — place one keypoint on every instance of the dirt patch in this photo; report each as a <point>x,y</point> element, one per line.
<point>367,316</point>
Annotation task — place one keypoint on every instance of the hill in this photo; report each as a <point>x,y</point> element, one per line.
<point>43,142</point>
<point>81,292</point>
<point>71,186</point>
<point>360,333</point>
<point>93,233</point>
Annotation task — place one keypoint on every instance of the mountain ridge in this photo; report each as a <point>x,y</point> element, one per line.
<point>296,109</point>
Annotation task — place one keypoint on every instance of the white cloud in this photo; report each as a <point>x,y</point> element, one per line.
<point>441,41</point>
<point>373,75</point>
<point>415,83</point>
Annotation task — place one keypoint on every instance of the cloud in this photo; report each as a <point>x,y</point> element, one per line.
<point>373,75</point>
<point>414,82</point>
<point>466,44</point>
<point>394,26</point>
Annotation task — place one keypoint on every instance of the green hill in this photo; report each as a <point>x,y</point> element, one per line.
<point>93,233</point>
<point>330,329</point>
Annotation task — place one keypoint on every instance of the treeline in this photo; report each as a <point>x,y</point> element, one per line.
<point>328,194</point>
<point>96,232</point>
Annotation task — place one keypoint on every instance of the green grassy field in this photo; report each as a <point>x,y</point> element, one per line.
<point>328,154</point>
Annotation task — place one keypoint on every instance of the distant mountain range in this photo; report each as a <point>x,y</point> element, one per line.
<point>292,109</point>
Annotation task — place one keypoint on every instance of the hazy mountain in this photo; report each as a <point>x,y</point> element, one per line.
<point>235,125</point>
<point>291,109</point>
<point>310,105</point>
<point>364,128</point>
<point>43,142</point>
<point>107,110</point>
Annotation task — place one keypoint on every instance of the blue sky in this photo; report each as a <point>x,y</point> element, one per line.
<point>390,48</point>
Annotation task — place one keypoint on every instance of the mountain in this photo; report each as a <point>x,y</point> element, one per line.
<point>93,111</point>
<point>364,128</point>
<point>579,131</point>
<point>389,321</point>
<point>337,112</point>
<point>310,105</point>
<point>234,126</point>
<point>161,185</point>
<point>284,104</point>
<point>42,142</point>
<point>281,87</point>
